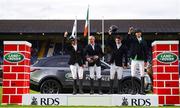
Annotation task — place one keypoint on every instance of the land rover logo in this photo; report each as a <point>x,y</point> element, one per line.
<point>68,76</point>
<point>167,57</point>
<point>14,57</point>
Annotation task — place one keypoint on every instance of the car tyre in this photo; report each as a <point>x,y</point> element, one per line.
<point>127,86</point>
<point>50,86</point>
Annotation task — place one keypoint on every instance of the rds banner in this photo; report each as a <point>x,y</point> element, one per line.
<point>135,100</point>
<point>90,100</point>
<point>44,99</point>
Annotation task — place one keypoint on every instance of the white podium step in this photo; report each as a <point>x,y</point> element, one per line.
<point>90,100</point>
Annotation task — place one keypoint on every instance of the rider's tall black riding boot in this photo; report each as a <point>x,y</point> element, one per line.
<point>74,86</point>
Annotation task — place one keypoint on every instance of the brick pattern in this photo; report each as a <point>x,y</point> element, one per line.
<point>16,76</point>
<point>166,76</point>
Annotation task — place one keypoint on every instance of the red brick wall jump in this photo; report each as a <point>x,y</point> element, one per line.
<point>166,75</point>
<point>16,75</point>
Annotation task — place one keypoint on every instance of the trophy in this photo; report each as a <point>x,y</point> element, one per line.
<point>92,59</point>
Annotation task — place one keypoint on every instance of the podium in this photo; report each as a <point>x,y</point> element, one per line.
<point>16,79</point>
<point>90,100</point>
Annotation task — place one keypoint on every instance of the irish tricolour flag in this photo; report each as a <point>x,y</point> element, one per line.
<point>86,24</point>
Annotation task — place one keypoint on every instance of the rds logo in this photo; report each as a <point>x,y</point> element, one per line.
<point>135,102</point>
<point>140,102</point>
<point>50,101</point>
<point>45,101</point>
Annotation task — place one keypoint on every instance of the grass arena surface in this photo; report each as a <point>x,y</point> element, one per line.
<point>34,92</point>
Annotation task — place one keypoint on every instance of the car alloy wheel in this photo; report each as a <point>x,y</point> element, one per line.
<point>50,86</point>
<point>127,87</point>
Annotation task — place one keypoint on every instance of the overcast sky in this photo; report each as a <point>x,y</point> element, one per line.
<point>109,9</point>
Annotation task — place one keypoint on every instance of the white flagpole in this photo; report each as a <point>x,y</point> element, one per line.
<point>76,28</point>
<point>103,35</point>
<point>89,30</point>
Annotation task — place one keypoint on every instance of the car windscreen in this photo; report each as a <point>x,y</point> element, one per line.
<point>57,61</point>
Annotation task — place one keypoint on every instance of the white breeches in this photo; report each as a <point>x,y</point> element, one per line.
<point>134,65</point>
<point>93,69</point>
<point>114,69</point>
<point>76,70</point>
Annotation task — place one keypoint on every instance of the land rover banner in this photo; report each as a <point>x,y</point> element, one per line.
<point>90,100</point>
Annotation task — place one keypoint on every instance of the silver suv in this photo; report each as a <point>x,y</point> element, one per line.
<point>52,75</point>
